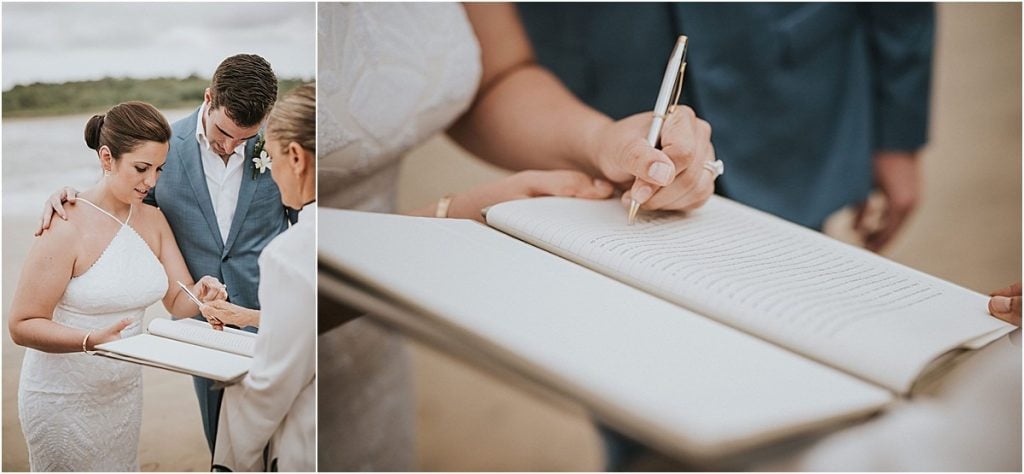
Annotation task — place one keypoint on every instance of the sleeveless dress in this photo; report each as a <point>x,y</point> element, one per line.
<point>390,77</point>
<point>82,412</point>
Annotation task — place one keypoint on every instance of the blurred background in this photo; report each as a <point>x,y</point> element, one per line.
<point>62,63</point>
<point>967,230</point>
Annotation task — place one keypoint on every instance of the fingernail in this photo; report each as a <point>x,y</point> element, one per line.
<point>625,199</point>
<point>642,194</point>
<point>660,172</point>
<point>1001,304</point>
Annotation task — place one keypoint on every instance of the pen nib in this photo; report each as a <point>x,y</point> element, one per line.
<point>633,208</point>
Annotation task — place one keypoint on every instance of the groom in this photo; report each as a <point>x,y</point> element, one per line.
<point>222,207</point>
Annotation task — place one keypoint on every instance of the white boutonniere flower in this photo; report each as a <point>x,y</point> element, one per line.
<point>261,162</point>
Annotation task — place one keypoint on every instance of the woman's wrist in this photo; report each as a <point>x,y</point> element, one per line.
<point>585,153</point>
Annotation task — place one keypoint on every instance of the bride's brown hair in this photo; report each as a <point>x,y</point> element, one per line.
<point>293,118</point>
<point>126,126</point>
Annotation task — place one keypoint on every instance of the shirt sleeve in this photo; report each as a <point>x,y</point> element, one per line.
<point>284,364</point>
<point>901,44</point>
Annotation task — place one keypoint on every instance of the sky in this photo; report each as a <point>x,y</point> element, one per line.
<point>57,42</point>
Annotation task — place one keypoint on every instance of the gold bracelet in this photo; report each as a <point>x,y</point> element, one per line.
<point>85,342</point>
<point>442,206</point>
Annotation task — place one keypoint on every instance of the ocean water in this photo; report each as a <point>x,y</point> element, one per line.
<point>40,155</point>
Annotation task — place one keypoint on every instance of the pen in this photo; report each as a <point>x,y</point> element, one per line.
<point>196,300</point>
<point>668,96</point>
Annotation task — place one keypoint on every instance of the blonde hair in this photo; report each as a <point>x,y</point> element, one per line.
<point>293,118</point>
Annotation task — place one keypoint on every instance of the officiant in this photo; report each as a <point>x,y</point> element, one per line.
<point>274,406</point>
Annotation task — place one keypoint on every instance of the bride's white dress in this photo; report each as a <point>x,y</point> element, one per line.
<point>391,75</point>
<point>82,412</point>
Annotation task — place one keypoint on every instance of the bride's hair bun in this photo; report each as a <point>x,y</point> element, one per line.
<point>125,127</point>
<point>92,131</point>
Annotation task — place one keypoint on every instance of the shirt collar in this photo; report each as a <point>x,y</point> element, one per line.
<point>201,134</point>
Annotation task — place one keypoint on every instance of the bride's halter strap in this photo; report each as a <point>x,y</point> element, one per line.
<point>130,207</point>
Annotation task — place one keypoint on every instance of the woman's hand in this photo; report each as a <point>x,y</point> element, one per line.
<point>1005,304</point>
<point>209,289</point>
<point>527,184</point>
<point>672,178</point>
<point>108,334</point>
<point>228,313</point>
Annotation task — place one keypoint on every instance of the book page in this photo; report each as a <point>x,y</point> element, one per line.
<point>201,334</point>
<point>647,366</point>
<point>836,303</point>
<point>147,349</point>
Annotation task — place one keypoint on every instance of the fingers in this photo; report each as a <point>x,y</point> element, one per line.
<point>860,220</point>
<point>894,216</point>
<point>1012,290</point>
<point>116,328</point>
<point>54,205</point>
<point>566,183</point>
<point>648,164</point>
<point>1006,308</point>
<point>685,138</point>
<point>690,190</point>
<point>209,289</point>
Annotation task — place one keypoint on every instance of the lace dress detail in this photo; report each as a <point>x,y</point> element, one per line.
<point>390,77</point>
<point>81,412</point>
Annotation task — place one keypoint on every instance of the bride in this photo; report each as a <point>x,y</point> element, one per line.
<point>88,281</point>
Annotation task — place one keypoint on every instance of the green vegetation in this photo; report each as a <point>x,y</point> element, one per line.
<point>81,97</point>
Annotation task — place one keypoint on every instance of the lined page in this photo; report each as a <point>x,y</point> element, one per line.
<point>834,302</point>
<point>203,335</point>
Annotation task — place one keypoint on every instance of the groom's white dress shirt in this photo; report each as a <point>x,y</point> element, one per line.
<point>222,181</point>
<point>276,401</point>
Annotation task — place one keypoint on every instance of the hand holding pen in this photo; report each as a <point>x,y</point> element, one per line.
<point>680,175</point>
<point>209,289</point>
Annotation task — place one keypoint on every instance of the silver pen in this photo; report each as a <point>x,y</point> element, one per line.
<point>668,96</point>
<point>196,301</point>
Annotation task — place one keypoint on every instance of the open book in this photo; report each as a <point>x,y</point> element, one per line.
<point>188,346</point>
<point>702,334</point>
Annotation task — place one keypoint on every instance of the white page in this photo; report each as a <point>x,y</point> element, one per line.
<point>696,382</point>
<point>193,359</point>
<point>787,284</point>
<point>195,332</point>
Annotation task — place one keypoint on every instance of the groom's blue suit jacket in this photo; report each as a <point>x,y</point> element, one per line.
<point>182,195</point>
<point>799,94</point>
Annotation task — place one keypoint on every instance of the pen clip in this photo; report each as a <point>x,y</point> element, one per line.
<point>677,91</point>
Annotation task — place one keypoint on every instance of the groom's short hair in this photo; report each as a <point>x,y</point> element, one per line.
<point>246,87</point>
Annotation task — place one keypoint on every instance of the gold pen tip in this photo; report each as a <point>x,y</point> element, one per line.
<point>633,208</point>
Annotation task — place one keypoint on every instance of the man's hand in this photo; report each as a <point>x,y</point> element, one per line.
<point>1005,304</point>
<point>898,177</point>
<point>672,178</point>
<point>55,204</point>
